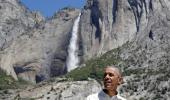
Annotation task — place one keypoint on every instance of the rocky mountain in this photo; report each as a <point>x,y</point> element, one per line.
<point>33,48</point>
<point>109,24</point>
<point>140,31</point>
<point>136,31</point>
<point>56,89</point>
<point>13,22</point>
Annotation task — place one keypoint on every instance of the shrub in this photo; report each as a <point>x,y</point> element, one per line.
<point>7,82</point>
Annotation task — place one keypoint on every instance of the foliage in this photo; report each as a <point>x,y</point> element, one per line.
<point>7,82</point>
<point>94,67</point>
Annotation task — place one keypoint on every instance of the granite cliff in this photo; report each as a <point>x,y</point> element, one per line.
<point>33,48</point>
<point>109,24</point>
<point>55,89</point>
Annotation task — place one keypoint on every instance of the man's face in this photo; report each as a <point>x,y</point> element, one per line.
<point>111,78</point>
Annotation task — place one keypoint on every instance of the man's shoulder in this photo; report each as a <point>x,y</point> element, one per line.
<point>92,96</point>
<point>119,97</point>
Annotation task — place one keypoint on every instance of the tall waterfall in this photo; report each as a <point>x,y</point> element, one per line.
<point>72,59</point>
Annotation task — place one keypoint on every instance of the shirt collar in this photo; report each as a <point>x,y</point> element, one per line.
<point>104,95</point>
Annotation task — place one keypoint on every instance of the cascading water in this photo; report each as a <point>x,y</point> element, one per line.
<point>72,59</point>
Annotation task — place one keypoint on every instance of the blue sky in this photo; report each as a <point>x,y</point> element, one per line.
<point>49,7</point>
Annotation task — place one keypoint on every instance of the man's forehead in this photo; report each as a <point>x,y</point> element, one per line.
<point>111,70</point>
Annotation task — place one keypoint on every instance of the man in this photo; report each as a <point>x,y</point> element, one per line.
<point>112,79</point>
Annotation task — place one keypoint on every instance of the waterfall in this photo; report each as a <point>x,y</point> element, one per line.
<point>72,59</point>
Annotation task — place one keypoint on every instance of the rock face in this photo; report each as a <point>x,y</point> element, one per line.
<point>77,90</point>
<point>31,47</point>
<point>148,55</point>
<point>109,24</point>
<point>14,21</point>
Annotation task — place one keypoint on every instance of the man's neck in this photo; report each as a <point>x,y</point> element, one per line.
<point>110,92</point>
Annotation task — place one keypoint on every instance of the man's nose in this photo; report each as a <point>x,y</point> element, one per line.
<point>107,76</point>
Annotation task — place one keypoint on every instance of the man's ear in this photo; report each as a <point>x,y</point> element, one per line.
<point>120,80</point>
